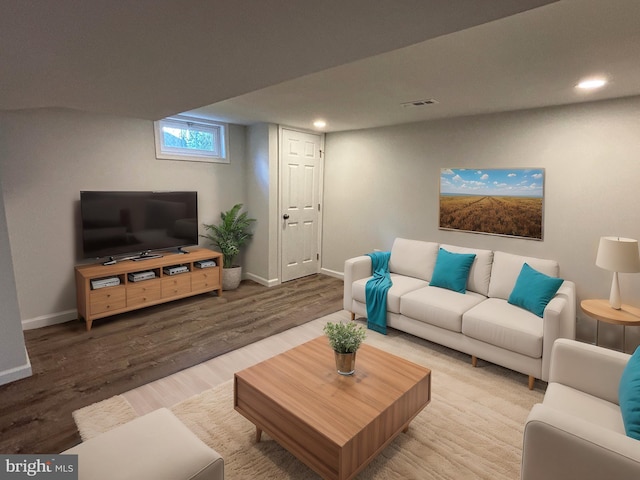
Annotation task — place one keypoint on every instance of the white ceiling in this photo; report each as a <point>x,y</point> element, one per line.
<point>533,59</point>
<point>153,58</point>
<point>288,61</point>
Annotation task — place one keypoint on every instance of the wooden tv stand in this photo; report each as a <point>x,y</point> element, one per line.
<point>130,295</point>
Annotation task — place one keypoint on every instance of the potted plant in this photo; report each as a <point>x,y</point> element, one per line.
<point>345,339</point>
<point>228,236</point>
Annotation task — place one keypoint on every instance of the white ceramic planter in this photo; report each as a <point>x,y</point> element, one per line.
<point>231,278</point>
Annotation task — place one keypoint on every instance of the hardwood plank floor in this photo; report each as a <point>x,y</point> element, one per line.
<point>73,368</point>
<point>180,386</point>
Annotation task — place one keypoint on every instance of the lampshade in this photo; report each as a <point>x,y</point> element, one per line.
<point>618,254</point>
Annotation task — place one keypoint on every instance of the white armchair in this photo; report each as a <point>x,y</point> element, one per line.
<point>577,432</point>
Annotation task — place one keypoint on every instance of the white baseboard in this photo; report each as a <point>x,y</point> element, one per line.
<point>262,281</point>
<point>16,373</point>
<point>332,273</point>
<point>50,319</point>
<point>276,281</point>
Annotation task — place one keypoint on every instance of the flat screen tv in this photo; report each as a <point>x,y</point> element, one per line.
<point>129,223</point>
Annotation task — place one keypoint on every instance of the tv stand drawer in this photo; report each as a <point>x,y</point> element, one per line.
<point>107,299</point>
<point>176,285</point>
<point>145,292</point>
<point>205,279</point>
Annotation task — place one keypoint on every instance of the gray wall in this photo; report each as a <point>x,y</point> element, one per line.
<point>50,155</point>
<point>383,183</point>
<point>261,254</point>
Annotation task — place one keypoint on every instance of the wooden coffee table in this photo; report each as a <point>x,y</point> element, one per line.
<point>335,424</point>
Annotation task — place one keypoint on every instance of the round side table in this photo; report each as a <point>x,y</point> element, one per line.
<point>602,312</point>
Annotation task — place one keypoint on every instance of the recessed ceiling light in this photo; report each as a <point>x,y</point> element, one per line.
<point>591,83</point>
<point>319,124</point>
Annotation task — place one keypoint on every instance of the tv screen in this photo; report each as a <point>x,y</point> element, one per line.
<point>119,223</point>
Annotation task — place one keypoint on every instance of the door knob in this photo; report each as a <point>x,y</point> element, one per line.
<point>285,216</point>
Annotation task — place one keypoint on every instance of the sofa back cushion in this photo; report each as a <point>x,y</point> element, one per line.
<point>506,269</point>
<point>480,272</point>
<point>413,258</point>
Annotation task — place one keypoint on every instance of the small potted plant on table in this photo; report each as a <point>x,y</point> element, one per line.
<point>345,339</point>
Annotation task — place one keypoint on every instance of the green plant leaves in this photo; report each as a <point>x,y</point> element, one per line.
<point>345,337</point>
<point>231,234</point>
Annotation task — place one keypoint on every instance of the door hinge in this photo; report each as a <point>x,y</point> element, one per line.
<point>318,207</point>
<point>317,256</point>
<point>321,152</point>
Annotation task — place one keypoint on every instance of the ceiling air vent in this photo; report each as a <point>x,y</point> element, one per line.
<point>419,103</point>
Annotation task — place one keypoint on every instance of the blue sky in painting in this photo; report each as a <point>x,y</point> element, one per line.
<point>497,182</point>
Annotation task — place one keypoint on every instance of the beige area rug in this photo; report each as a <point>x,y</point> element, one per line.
<point>471,430</point>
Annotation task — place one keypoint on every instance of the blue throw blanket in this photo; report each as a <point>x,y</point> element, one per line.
<point>376,292</point>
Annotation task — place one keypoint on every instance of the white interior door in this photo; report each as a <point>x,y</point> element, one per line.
<point>300,159</point>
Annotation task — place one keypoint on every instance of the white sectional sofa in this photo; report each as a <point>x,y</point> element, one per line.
<point>480,322</point>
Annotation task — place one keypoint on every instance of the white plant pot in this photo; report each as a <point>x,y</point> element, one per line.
<point>231,278</point>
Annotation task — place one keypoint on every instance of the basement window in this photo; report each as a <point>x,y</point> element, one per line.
<point>191,139</point>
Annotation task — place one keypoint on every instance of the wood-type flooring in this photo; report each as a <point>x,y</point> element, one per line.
<point>73,368</point>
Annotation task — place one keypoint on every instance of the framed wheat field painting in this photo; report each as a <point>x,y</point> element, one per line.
<point>504,201</point>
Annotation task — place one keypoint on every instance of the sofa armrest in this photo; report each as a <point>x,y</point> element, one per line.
<point>558,446</point>
<point>355,268</point>
<point>567,313</point>
<point>559,322</point>
<point>588,368</point>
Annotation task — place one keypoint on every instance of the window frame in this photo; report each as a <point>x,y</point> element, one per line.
<point>218,129</point>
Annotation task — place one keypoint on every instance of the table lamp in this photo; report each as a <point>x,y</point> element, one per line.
<point>618,254</point>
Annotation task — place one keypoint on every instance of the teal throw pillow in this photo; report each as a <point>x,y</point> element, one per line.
<point>534,290</point>
<point>629,396</point>
<point>452,270</point>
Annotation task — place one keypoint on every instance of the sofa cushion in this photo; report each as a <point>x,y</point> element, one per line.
<point>401,285</point>
<point>506,269</point>
<point>498,323</point>
<point>629,396</point>
<point>413,258</point>
<point>534,290</point>
<point>439,307</point>
<point>590,408</point>
<point>452,270</point>
<point>480,272</point>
